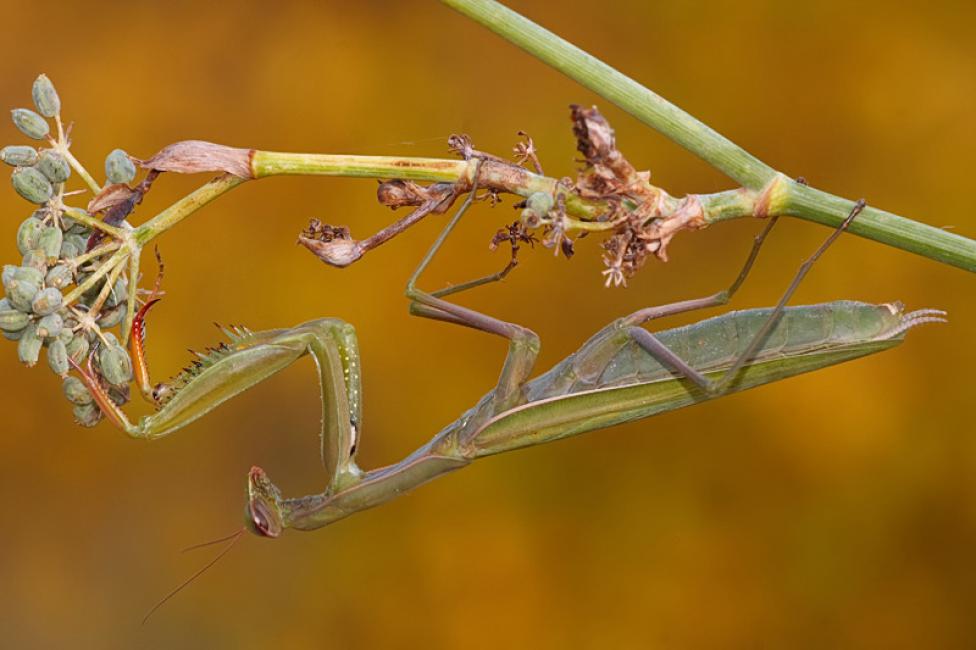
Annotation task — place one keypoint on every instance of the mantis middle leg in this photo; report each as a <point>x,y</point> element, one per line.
<point>523,342</point>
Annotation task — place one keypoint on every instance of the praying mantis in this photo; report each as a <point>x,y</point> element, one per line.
<point>622,373</point>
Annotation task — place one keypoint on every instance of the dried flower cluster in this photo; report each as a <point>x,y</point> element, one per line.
<point>645,217</point>
<point>638,219</point>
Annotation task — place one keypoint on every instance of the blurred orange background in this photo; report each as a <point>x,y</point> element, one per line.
<point>836,509</point>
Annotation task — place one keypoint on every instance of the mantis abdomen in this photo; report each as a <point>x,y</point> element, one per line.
<point>611,379</point>
<point>713,344</point>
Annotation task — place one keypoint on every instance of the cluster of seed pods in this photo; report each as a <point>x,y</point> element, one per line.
<point>47,309</point>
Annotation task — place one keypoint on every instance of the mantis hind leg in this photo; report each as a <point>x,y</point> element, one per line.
<point>592,358</point>
<point>653,346</point>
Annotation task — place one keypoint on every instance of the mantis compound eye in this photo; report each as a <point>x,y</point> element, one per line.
<point>262,516</point>
<point>260,520</point>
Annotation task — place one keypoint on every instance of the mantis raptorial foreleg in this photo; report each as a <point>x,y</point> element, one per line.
<point>249,358</point>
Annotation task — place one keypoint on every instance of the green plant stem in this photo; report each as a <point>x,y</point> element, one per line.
<point>642,103</point>
<point>96,252</point>
<point>80,170</point>
<point>270,163</point>
<point>508,178</point>
<point>86,219</point>
<point>783,197</point>
<point>117,259</point>
<point>109,286</point>
<point>934,243</point>
<point>184,208</point>
<point>801,201</point>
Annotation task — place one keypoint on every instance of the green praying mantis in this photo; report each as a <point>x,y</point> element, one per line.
<point>622,373</point>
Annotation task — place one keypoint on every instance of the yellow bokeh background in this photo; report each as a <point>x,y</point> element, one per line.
<point>831,510</point>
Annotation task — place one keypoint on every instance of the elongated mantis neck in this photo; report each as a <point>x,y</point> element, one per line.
<point>375,488</point>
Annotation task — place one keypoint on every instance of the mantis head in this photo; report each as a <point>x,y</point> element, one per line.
<point>263,512</point>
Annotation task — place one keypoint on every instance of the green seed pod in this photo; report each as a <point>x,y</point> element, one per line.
<point>67,222</point>
<point>540,203</point>
<point>19,155</point>
<point>46,97</point>
<point>50,326</point>
<point>37,260</point>
<point>79,242</point>
<point>54,166</point>
<point>118,294</point>
<point>13,336</point>
<point>8,275</point>
<point>21,284</point>
<point>115,364</point>
<point>68,250</point>
<point>80,229</point>
<point>50,242</point>
<point>21,294</point>
<point>47,301</point>
<point>76,391</point>
<point>87,415</point>
<point>13,320</point>
<point>29,234</point>
<point>78,348</point>
<point>59,276</point>
<point>30,123</point>
<point>57,357</point>
<point>32,185</point>
<point>119,167</point>
<point>29,346</point>
<point>28,274</point>
<point>66,334</point>
<point>112,316</point>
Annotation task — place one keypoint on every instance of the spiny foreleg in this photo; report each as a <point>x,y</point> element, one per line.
<point>254,356</point>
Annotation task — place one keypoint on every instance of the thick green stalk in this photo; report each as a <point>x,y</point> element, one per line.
<point>919,238</point>
<point>272,163</point>
<point>503,177</point>
<point>799,201</point>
